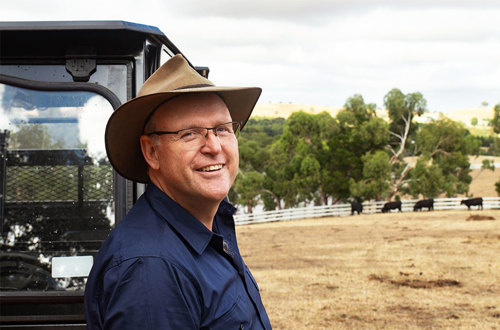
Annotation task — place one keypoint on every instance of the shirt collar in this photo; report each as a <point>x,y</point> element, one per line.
<point>191,229</point>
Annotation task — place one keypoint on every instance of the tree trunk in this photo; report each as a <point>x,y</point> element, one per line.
<point>399,181</point>
<point>402,139</point>
<point>325,197</point>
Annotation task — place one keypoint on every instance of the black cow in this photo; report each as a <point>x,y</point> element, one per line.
<point>428,203</point>
<point>391,206</point>
<point>473,202</point>
<point>356,207</point>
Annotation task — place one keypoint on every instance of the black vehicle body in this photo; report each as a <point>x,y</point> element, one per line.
<point>59,198</point>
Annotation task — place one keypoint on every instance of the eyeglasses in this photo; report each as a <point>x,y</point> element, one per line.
<point>197,135</point>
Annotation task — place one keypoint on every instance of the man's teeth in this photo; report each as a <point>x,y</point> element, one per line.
<point>211,168</point>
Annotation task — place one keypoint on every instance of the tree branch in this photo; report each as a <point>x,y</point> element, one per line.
<point>402,138</point>
<point>400,180</point>
<point>276,198</point>
<point>396,135</point>
<point>388,147</point>
<point>440,151</point>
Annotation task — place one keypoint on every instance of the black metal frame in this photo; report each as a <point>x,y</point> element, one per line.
<point>70,44</point>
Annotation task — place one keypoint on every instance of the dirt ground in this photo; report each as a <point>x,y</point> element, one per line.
<point>424,270</point>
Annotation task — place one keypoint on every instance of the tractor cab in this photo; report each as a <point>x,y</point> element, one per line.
<point>59,195</point>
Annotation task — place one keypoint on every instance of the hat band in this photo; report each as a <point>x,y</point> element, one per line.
<point>193,86</point>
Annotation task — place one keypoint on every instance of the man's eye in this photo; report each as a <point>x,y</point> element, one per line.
<point>189,134</point>
<point>223,129</point>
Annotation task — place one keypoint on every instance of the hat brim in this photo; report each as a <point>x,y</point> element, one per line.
<point>125,125</point>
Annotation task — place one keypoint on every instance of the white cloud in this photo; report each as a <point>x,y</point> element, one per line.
<point>321,51</point>
<point>310,11</point>
<point>4,119</point>
<point>92,124</point>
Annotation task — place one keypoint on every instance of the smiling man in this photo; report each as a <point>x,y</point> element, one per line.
<point>173,262</point>
<point>195,166</point>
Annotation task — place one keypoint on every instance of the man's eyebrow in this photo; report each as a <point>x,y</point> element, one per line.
<point>202,126</point>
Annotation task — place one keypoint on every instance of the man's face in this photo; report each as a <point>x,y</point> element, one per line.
<point>200,174</point>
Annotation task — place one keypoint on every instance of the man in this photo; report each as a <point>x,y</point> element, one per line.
<point>173,261</point>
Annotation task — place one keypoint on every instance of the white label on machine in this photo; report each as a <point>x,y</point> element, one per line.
<point>78,266</point>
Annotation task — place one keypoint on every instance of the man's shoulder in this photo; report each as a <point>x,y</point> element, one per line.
<point>143,232</point>
<point>140,233</point>
<point>140,221</point>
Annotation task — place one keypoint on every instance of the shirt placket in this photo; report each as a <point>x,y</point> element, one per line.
<point>233,256</point>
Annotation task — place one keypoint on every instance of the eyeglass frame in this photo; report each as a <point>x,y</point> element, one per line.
<point>213,129</point>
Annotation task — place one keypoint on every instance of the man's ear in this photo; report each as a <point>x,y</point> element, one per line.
<point>150,152</point>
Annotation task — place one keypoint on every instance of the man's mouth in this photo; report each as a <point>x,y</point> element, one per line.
<point>210,168</point>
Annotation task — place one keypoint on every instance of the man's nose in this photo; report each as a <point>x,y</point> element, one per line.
<point>212,142</point>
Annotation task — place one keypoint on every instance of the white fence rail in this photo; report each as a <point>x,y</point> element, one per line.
<point>345,209</point>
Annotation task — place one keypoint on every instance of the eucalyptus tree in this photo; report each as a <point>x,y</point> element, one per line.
<point>256,156</point>
<point>304,144</point>
<point>358,151</point>
<point>249,187</point>
<point>445,146</point>
<point>495,123</point>
<point>279,190</point>
<point>374,183</point>
<point>427,179</point>
<point>402,109</point>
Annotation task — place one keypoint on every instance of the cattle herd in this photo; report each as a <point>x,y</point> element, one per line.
<point>421,204</point>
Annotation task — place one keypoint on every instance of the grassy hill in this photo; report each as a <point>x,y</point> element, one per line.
<point>284,110</point>
<point>483,114</point>
<point>483,181</point>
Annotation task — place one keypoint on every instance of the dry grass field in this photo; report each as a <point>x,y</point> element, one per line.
<point>424,270</point>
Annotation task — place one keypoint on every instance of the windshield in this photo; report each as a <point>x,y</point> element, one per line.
<point>56,187</point>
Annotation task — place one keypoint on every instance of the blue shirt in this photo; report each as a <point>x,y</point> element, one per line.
<point>161,268</point>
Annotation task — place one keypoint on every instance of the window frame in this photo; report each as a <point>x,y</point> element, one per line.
<point>70,299</point>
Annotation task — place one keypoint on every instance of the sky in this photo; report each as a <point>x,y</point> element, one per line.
<point>319,52</point>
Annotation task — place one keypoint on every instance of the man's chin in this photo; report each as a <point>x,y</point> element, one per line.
<point>216,195</point>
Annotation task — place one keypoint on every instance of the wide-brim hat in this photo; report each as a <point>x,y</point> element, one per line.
<point>175,77</point>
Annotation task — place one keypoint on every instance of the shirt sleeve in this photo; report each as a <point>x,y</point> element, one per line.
<point>149,293</point>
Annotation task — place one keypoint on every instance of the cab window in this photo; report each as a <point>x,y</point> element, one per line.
<point>56,187</point>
